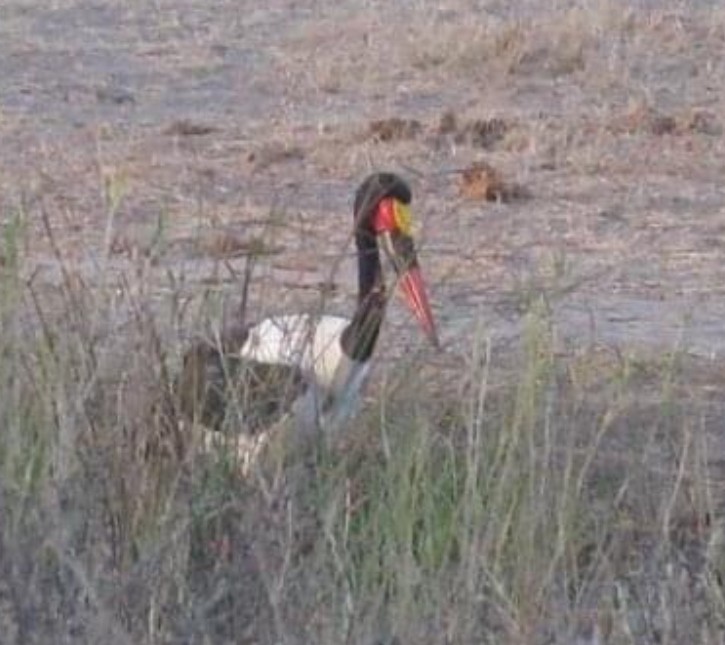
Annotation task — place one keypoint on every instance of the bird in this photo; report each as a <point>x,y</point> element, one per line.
<point>312,367</point>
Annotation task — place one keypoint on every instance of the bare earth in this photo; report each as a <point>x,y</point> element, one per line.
<point>213,117</point>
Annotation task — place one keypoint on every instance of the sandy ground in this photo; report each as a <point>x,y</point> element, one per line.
<point>213,117</point>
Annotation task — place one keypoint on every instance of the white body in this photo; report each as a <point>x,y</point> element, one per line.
<point>312,343</point>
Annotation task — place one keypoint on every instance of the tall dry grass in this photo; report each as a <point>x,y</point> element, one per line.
<point>533,496</point>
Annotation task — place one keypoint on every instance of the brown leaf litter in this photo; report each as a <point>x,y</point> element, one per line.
<point>187,128</point>
<point>273,153</point>
<point>221,245</point>
<point>481,181</point>
<point>395,129</point>
<point>643,118</point>
<point>480,133</point>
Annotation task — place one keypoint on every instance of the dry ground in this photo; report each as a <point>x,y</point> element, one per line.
<point>611,117</point>
<point>150,148</point>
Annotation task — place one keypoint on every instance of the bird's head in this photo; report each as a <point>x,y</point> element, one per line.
<point>383,214</point>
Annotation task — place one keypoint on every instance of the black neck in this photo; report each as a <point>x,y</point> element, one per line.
<point>360,336</point>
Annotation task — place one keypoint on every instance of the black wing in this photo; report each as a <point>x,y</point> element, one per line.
<point>224,391</point>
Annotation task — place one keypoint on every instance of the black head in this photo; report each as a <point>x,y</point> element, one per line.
<point>378,186</point>
<point>383,218</point>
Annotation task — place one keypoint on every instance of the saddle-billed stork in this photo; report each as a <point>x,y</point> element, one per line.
<point>313,366</point>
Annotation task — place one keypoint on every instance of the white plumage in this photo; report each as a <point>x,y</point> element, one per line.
<point>308,342</point>
<point>312,344</point>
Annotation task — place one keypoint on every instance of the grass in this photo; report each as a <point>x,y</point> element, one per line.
<point>531,492</point>
<point>549,496</point>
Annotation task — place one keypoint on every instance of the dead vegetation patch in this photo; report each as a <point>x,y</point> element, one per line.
<point>526,50</point>
<point>273,153</point>
<point>188,128</point>
<point>220,244</point>
<point>323,287</point>
<point>485,133</point>
<point>701,122</point>
<point>395,129</point>
<point>481,181</point>
<point>643,118</point>
<point>557,45</point>
<point>114,95</point>
<point>126,246</point>
<point>478,133</point>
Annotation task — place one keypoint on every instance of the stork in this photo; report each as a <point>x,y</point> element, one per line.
<point>313,366</point>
